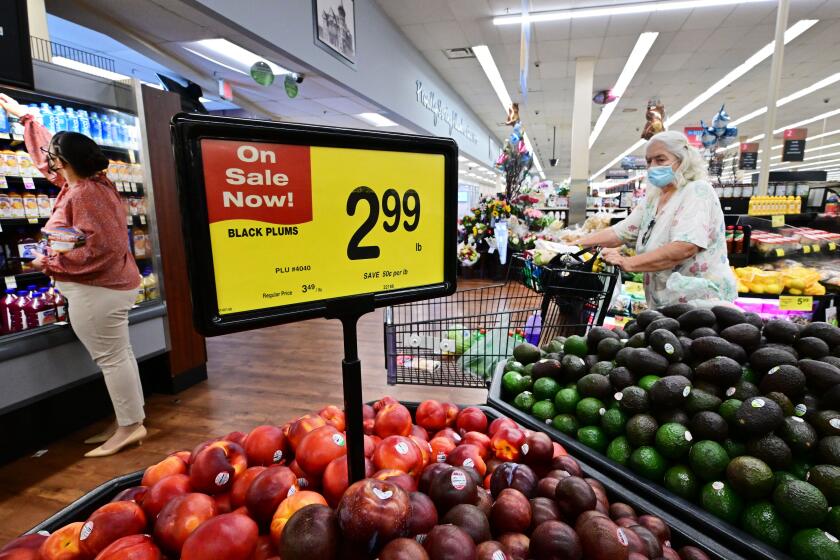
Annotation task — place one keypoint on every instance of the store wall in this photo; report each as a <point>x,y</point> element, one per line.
<point>67,83</point>
<point>387,67</point>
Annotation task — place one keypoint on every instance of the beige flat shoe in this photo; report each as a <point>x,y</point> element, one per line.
<point>136,436</point>
<point>101,437</point>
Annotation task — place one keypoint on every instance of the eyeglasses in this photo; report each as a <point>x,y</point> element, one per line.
<point>648,231</point>
<point>50,154</point>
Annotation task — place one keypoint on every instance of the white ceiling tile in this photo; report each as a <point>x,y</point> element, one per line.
<point>585,47</point>
<point>446,34</point>
<point>419,36</point>
<point>667,21</point>
<point>707,17</point>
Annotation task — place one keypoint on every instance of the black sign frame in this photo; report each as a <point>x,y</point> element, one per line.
<point>25,78</point>
<point>187,132</point>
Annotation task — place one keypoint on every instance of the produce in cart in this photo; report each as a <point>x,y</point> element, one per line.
<point>718,406</point>
<point>451,486</point>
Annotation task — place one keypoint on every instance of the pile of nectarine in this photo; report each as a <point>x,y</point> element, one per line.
<point>445,485</point>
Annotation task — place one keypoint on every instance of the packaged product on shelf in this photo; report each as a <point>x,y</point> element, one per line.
<point>27,247</point>
<point>16,202</point>
<point>9,163</point>
<point>6,311</point>
<point>37,312</point>
<point>25,165</point>
<point>5,206</point>
<point>141,293</point>
<point>140,249</point>
<point>52,202</point>
<point>121,169</point>
<point>17,322</point>
<point>141,205</point>
<point>30,205</point>
<point>111,172</point>
<point>4,122</point>
<point>133,203</point>
<point>60,307</point>
<point>44,208</point>
<point>150,284</point>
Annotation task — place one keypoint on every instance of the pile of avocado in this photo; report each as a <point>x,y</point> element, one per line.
<point>722,408</point>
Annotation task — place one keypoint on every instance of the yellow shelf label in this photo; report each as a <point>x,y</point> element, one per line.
<point>796,303</point>
<point>806,249</point>
<point>777,221</point>
<point>831,246</point>
<point>634,288</point>
<point>816,248</point>
<point>780,252</point>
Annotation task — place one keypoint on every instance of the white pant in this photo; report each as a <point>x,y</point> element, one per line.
<point>99,317</point>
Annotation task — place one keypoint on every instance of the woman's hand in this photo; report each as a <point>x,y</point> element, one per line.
<point>12,107</point>
<point>39,261</point>
<point>614,257</point>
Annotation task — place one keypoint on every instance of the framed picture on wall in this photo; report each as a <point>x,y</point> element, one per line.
<point>335,27</point>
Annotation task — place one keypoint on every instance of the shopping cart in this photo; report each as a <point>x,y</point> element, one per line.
<point>456,341</point>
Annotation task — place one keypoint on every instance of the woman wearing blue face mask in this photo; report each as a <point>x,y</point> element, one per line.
<point>677,230</point>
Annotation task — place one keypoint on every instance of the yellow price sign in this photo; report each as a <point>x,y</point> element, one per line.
<point>777,221</point>
<point>780,252</point>
<point>636,288</point>
<point>832,246</point>
<point>806,249</point>
<point>815,248</point>
<point>294,228</point>
<point>796,303</point>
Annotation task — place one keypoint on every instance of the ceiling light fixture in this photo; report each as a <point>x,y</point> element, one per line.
<point>88,69</point>
<point>765,52</point>
<point>214,61</point>
<point>820,117</point>
<point>611,11</point>
<point>634,61</point>
<point>233,52</point>
<point>834,78</point>
<point>376,119</point>
<point>485,59</point>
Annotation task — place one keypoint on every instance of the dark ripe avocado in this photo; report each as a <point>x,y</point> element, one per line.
<point>670,325</point>
<point>594,385</point>
<point>646,317</point>
<point>699,401</point>
<point>833,360</point>
<point>811,347</point>
<point>547,368</point>
<point>744,335</point>
<point>596,335</point>
<point>708,387</point>
<point>827,422</point>
<point>758,416</point>
<point>669,392</point>
<point>632,328</point>
<point>674,311</point>
<point>620,377</point>
<point>764,359</point>
<point>680,368</point>
<point>721,371</point>
<point>819,376</point>
<point>686,344</point>
<point>641,430</point>
<point>633,400</point>
<point>623,355</point>
<point>828,450</point>
<point>799,435</point>
<point>590,360</point>
<point>772,450</point>
<point>603,368</point>
<point>779,330</point>
<point>785,379</point>
<point>638,340</point>
<point>783,347</point>
<point>828,333</point>
<point>667,344</point>
<point>707,347</point>
<point>573,367</point>
<point>697,318</point>
<point>708,425</point>
<point>702,331</point>
<point>754,319</point>
<point>608,348</point>
<point>621,333</point>
<point>727,316</point>
<point>526,353</point>
<point>646,362</point>
<point>783,401</point>
<point>672,416</point>
<point>831,398</point>
<point>827,479</point>
<point>554,356</point>
<point>741,390</point>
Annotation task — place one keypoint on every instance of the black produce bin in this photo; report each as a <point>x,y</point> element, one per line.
<point>682,533</point>
<point>742,544</point>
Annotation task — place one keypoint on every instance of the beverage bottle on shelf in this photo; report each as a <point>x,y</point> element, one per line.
<point>84,122</point>
<point>60,118</point>
<point>36,113</point>
<point>4,122</point>
<point>32,289</point>
<point>738,240</point>
<point>95,128</point>
<point>105,126</point>
<point>37,312</point>
<point>72,120</point>
<point>30,205</point>
<point>47,117</point>
<point>60,307</point>
<point>16,311</point>
<point>751,206</point>
<point>6,311</point>
<point>730,237</point>
<point>124,141</point>
<point>117,132</point>
<point>48,297</point>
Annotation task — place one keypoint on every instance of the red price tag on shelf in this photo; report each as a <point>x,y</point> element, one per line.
<point>29,183</point>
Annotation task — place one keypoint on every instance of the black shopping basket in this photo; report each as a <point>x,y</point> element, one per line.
<point>456,341</point>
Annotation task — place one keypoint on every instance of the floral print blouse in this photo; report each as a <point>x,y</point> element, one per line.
<point>693,215</point>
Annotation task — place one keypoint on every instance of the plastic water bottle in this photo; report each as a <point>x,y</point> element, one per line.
<point>47,117</point>
<point>36,113</point>
<point>107,138</point>
<point>60,118</point>
<point>4,121</point>
<point>124,139</point>
<point>72,120</point>
<point>84,122</point>
<point>116,132</point>
<point>95,128</point>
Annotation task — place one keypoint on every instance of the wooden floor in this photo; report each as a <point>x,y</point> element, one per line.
<point>265,376</point>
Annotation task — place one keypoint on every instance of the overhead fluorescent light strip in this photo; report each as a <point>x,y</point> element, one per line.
<point>792,32</point>
<point>820,117</point>
<point>834,78</point>
<point>485,59</point>
<point>214,61</point>
<point>232,51</point>
<point>88,69</point>
<point>376,119</point>
<point>634,61</point>
<point>627,9</point>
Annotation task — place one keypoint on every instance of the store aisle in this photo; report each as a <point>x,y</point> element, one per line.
<point>270,375</point>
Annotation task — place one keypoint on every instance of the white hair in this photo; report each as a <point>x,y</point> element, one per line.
<point>692,165</point>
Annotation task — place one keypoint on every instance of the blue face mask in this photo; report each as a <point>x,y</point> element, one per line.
<point>661,176</point>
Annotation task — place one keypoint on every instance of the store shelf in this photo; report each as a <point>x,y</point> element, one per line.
<point>17,222</point>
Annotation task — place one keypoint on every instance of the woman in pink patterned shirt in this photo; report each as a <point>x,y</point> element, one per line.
<point>99,277</point>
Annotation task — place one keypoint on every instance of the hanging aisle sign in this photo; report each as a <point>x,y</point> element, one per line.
<point>794,146</point>
<point>748,158</point>
<point>283,222</point>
